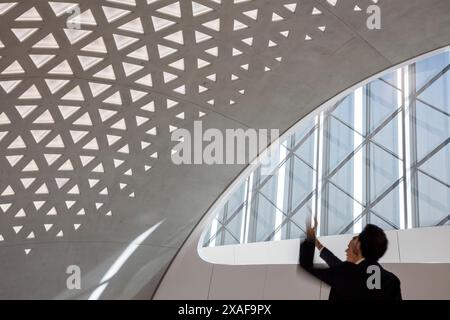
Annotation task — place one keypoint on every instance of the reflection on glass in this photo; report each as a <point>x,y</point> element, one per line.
<point>381,155</point>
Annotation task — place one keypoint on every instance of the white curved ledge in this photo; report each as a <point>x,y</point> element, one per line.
<point>424,245</point>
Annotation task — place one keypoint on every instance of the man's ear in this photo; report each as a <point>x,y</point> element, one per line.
<point>357,247</point>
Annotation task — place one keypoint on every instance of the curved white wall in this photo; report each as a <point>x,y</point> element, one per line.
<point>270,270</point>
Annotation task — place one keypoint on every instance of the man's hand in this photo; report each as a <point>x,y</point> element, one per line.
<point>319,246</point>
<point>311,231</point>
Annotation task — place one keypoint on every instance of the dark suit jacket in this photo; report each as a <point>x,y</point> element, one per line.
<point>329,257</point>
<point>348,281</point>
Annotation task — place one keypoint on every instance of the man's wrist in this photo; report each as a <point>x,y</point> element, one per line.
<point>319,246</point>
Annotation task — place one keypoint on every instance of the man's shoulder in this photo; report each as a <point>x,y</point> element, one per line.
<point>385,272</point>
<point>363,268</point>
<point>345,265</point>
<point>392,277</point>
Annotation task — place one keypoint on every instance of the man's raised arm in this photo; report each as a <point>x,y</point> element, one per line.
<point>306,256</point>
<point>327,255</point>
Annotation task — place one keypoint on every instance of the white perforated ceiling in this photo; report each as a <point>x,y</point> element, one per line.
<point>85,96</point>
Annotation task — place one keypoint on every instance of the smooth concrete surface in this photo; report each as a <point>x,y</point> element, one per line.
<point>401,21</point>
<point>289,282</point>
<point>193,279</point>
<point>423,281</point>
<point>94,261</point>
<point>232,282</point>
<point>310,73</point>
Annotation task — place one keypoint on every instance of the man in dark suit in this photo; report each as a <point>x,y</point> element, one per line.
<point>360,276</point>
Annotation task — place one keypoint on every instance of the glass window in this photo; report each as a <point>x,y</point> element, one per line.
<point>381,155</point>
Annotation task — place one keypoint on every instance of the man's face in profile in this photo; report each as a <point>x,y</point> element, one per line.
<point>353,251</point>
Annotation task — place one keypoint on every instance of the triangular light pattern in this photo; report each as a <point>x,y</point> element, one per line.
<point>82,92</point>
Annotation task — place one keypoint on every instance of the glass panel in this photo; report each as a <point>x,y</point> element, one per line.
<point>383,102</point>
<point>275,188</point>
<point>433,128</point>
<point>389,206</point>
<point>226,231</point>
<point>434,201</point>
<point>305,151</point>
<point>438,93</point>
<point>233,227</point>
<point>302,184</point>
<point>225,237</point>
<point>297,221</point>
<point>236,199</point>
<point>303,131</point>
<point>350,173</point>
<point>374,219</point>
<point>341,141</point>
<point>428,68</point>
<point>341,210</point>
<point>221,215</point>
<point>267,219</point>
<point>292,231</point>
<point>391,78</point>
<point>208,234</point>
<point>438,165</point>
<point>384,171</point>
<point>388,136</point>
<point>269,165</point>
<point>345,112</point>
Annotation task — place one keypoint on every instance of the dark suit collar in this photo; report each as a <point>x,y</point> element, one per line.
<point>369,262</point>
